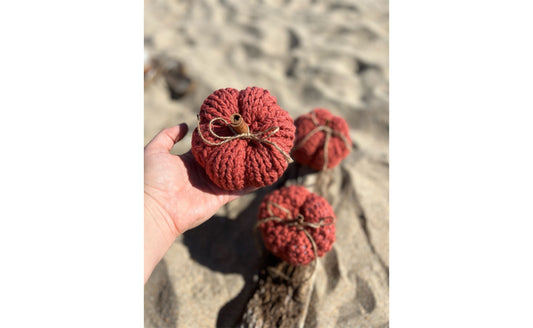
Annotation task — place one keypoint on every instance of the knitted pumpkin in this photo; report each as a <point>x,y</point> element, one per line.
<point>322,139</point>
<point>292,219</point>
<point>243,138</point>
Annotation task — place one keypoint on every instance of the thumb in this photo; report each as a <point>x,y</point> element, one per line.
<point>165,140</point>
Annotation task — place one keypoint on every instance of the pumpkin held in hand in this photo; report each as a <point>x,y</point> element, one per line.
<point>243,138</point>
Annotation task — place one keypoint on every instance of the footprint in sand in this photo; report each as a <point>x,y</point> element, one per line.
<point>331,265</point>
<point>162,307</point>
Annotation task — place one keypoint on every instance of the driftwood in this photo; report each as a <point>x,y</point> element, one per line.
<point>281,298</point>
<point>283,292</point>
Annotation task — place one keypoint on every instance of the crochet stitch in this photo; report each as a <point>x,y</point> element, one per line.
<point>243,138</point>
<point>296,224</point>
<point>322,139</point>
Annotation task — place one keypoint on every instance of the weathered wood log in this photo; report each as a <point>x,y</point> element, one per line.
<point>281,298</point>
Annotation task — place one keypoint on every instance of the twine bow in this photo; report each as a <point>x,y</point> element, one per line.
<point>247,135</point>
<point>299,223</point>
<point>329,132</point>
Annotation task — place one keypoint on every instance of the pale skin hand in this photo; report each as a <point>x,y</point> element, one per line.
<point>178,195</point>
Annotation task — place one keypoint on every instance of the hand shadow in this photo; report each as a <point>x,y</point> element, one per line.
<point>229,246</point>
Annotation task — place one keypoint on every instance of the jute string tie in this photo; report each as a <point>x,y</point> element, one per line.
<point>298,222</point>
<point>244,135</point>
<point>328,131</point>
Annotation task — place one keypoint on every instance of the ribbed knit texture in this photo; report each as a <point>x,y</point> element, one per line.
<point>288,242</point>
<point>242,163</point>
<point>311,153</point>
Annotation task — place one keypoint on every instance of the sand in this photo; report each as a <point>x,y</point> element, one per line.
<point>308,54</point>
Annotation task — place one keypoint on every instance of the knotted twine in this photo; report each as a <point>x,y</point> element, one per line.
<point>328,131</point>
<point>300,224</point>
<point>246,135</point>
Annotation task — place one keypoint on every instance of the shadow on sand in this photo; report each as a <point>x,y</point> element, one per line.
<point>233,246</point>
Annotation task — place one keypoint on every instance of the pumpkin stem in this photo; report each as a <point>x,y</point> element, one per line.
<point>238,124</point>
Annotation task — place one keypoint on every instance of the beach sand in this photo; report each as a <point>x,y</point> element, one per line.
<point>308,54</point>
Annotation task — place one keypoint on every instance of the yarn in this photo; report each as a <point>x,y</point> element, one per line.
<point>243,138</point>
<point>322,139</point>
<point>296,224</point>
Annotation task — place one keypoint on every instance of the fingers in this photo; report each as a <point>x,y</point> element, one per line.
<point>165,140</point>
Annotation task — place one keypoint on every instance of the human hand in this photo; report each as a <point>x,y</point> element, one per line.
<point>178,195</point>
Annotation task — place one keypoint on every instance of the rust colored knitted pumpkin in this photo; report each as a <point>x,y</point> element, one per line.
<point>243,138</point>
<point>322,139</point>
<point>292,219</point>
